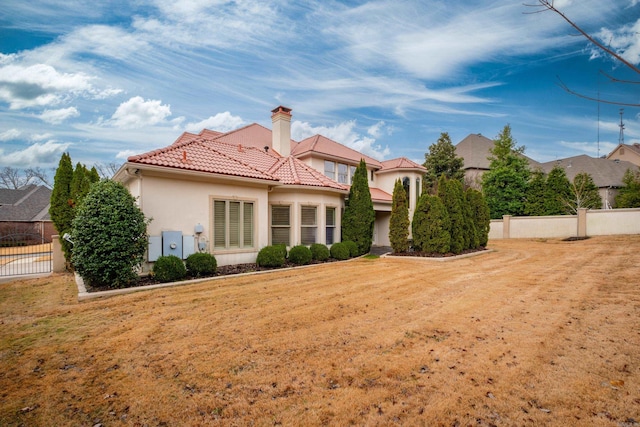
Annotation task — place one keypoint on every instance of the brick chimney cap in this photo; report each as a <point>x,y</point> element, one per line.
<point>281,109</point>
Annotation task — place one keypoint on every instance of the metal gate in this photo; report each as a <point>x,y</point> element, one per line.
<point>23,253</point>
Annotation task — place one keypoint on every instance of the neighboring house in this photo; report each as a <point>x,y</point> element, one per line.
<point>626,152</point>
<point>475,149</point>
<point>233,193</point>
<point>607,174</point>
<point>24,214</point>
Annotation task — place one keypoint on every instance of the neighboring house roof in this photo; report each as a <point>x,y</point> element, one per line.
<point>322,145</point>
<point>28,203</point>
<point>605,172</point>
<point>401,163</point>
<point>475,149</point>
<point>219,157</point>
<point>633,149</point>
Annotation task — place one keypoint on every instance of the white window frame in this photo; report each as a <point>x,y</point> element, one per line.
<point>308,224</point>
<point>244,236</point>
<point>281,226</point>
<point>330,225</point>
<point>330,169</point>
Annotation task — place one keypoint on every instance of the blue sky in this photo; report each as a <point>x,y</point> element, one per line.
<point>105,80</point>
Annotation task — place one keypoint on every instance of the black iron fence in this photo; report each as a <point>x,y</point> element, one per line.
<point>23,253</point>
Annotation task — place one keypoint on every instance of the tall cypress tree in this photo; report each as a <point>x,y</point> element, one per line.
<point>430,226</point>
<point>450,193</point>
<point>536,193</point>
<point>359,216</point>
<point>399,221</point>
<point>61,208</point>
<point>481,216</point>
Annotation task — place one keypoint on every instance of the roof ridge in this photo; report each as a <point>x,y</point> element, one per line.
<point>294,171</point>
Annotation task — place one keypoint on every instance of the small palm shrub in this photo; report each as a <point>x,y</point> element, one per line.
<point>319,252</point>
<point>339,251</point>
<point>271,256</point>
<point>300,255</point>
<point>201,264</point>
<point>169,268</point>
<point>354,250</point>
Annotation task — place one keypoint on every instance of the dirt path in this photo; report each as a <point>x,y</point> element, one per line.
<point>534,333</point>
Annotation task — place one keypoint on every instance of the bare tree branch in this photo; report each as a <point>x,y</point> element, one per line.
<point>615,80</point>
<point>548,5</point>
<point>107,170</point>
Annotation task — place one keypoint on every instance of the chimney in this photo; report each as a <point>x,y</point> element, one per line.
<point>281,131</point>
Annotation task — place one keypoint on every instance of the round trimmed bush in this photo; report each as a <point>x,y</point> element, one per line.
<point>353,248</point>
<point>339,251</point>
<point>319,252</point>
<point>169,268</point>
<point>283,249</point>
<point>300,255</point>
<point>201,264</point>
<point>270,256</point>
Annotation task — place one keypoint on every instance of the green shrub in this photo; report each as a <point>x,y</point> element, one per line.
<point>339,251</point>
<point>169,268</point>
<point>283,249</point>
<point>109,233</point>
<point>201,264</point>
<point>300,255</point>
<point>270,256</point>
<point>354,250</point>
<point>319,252</point>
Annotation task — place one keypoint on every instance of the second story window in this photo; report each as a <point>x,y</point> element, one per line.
<point>330,169</point>
<point>343,173</point>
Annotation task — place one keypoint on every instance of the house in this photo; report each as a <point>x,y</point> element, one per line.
<point>230,194</point>
<point>24,214</point>
<point>626,152</point>
<point>607,174</point>
<point>475,149</point>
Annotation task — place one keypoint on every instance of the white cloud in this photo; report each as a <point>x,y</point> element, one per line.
<point>137,113</point>
<point>56,117</point>
<point>39,85</point>
<point>41,136</point>
<point>376,130</point>
<point>125,154</point>
<point>222,122</point>
<point>10,134</point>
<point>343,133</point>
<point>623,40</point>
<point>47,153</point>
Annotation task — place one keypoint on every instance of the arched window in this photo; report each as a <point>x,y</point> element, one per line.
<point>406,183</point>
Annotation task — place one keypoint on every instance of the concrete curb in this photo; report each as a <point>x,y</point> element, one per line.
<point>440,259</point>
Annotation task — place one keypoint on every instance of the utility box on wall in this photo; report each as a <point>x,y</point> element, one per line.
<point>172,243</point>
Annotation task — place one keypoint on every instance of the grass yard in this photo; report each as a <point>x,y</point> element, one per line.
<point>535,333</point>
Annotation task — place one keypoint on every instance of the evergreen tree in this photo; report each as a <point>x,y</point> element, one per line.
<point>505,183</point>
<point>480,212</point>
<point>450,194</point>
<point>534,204</point>
<point>94,176</point>
<point>629,195</point>
<point>430,226</point>
<point>399,222</point>
<point>584,193</point>
<point>472,240</point>
<point>61,208</point>
<point>79,184</point>
<point>359,216</point>
<point>442,160</point>
<point>557,192</point>
<point>110,236</point>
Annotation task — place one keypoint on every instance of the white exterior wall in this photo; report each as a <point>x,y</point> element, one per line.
<point>543,226</point>
<point>295,198</point>
<point>613,221</point>
<point>180,204</point>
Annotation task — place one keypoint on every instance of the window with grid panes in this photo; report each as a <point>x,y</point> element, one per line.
<point>232,224</point>
<point>343,172</point>
<point>308,225</point>
<point>329,169</point>
<point>280,225</point>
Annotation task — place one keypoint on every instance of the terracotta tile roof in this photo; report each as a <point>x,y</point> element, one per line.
<point>401,163</point>
<point>319,144</point>
<point>206,156</point>
<point>294,172</point>
<point>378,195</point>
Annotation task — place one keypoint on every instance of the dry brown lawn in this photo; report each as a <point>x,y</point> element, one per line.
<point>534,333</point>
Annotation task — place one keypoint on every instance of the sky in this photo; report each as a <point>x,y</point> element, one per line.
<point>104,80</point>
